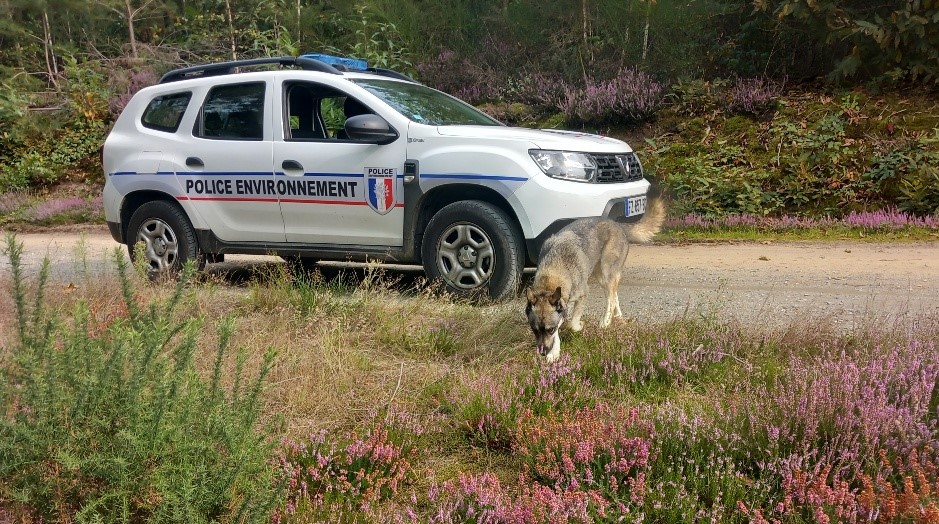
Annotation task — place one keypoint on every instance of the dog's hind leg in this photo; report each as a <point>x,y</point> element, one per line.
<point>612,300</point>
<point>612,262</point>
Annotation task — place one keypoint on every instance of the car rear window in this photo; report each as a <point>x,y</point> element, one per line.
<point>164,113</point>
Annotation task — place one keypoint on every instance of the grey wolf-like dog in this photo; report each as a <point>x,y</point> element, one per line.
<point>589,248</point>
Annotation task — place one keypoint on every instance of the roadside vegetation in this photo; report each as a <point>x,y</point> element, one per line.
<point>358,398</point>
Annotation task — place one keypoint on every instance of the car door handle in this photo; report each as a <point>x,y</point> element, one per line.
<point>195,161</point>
<point>292,165</point>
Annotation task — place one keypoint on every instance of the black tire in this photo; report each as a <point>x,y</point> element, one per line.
<point>475,249</point>
<point>168,237</point>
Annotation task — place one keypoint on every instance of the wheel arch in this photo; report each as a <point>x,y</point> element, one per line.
<point>439,197</point>
<point>133,201</point>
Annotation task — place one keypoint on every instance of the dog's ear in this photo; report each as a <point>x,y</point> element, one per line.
<point>530,295</point>
<point>555,300</point>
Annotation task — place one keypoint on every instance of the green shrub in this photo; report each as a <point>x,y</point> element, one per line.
<point>909,173</point>
<point>39,148</point>
<point>114,423</point>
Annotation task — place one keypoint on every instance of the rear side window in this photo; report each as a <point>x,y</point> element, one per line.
<point>233,112</point>
<point>164,113</point>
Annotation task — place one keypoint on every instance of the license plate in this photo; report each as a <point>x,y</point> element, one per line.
<point>635,206</point>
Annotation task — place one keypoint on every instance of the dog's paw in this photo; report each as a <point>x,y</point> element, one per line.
<point>552,356</point>
<point>576,326</point>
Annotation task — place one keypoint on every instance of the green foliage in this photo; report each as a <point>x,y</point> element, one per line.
<point>718,180</point>
<point>818,155</point>
<point>910,173</point>
<point>114,422</point>
<point>376,42</point>
<point>45,160</point>
<point>44,146</point>
<point>856,39</point>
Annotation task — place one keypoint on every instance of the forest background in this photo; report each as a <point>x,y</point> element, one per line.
<point>738,107</point>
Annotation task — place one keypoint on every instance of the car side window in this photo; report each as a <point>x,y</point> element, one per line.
<point>317,112</point>
<point>164,113</point>
<point>233,112</point>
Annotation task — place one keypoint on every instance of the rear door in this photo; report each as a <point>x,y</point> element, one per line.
<point>334,190</point>
<point>225,171</point>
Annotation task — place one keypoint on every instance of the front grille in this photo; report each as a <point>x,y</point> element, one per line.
<point>617,168</point>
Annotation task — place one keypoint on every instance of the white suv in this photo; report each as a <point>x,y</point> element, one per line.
<point>322,158</point>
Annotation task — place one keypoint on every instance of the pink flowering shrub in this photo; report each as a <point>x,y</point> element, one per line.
<point>489,411</point>
<point>584,467</point>
<point>484,499</point>
<point>839,406</point>
<point>460,77</point>
<point>883,219</point>
<point>325,478</point>
<point>12,202</point>
<point>753,96</point>
<point>600,451</point>
<point>901,491</point>
<point>630,359</point>
<point>629,98</point>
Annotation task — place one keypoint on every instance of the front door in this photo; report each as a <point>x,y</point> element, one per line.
<point>334,190</point>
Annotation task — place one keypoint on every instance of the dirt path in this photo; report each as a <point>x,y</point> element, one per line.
<point>779,283</point>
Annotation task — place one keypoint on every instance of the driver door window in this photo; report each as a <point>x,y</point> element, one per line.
<point>318,112</point>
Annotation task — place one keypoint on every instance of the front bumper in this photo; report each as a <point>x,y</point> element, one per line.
<point>615,210</point>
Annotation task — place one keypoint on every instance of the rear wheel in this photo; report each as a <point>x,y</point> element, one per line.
<point>169,240</point>
<point>474,248</point>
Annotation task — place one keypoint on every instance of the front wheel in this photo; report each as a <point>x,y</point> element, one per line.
<point>474,248</point>
<point>169,241</point>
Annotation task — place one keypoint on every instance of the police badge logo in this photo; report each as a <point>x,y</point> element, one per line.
<point>380,182</point>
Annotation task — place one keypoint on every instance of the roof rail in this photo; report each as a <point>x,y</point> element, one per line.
<point>390,74</point>
<point>304,62</point>
<point>225,68</point>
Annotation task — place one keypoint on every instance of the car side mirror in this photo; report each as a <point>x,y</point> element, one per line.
<point>372,129</point>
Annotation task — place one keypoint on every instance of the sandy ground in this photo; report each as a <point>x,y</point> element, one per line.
<point>778,283</point>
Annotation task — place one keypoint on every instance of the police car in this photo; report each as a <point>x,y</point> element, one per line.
<point>324,158</point>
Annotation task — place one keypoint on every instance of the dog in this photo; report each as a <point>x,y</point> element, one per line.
<point>588,248</point>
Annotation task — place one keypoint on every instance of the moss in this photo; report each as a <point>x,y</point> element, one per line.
<point>693,129</point>
<point>736,126</point>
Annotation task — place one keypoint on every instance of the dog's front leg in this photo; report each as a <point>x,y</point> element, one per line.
<point>555,352</point>
<point>577,309</point>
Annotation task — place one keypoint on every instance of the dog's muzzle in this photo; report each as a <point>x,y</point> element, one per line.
<point>542,350</point>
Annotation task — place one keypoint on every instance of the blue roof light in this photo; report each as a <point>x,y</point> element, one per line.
<point>349,63</point>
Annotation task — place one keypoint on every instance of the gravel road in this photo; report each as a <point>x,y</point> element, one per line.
<point>771,284</point>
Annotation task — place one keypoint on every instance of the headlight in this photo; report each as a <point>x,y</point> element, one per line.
<point>565,164</point>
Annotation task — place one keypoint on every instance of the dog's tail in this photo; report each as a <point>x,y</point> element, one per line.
<point>650,224</point>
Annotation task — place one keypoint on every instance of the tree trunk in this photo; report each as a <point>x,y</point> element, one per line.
<point>231,30</point>
<point>130,28</point>
<point>645,32</point>
<point>52,67</point>
<point>586,18</point>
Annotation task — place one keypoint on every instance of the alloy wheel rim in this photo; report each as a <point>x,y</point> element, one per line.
<point>465,256</point>
<point>160,243</point>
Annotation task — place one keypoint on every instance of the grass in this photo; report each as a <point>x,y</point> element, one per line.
<point>413,407</point>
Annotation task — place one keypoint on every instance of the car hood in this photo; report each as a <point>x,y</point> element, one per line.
<point>540,138</point>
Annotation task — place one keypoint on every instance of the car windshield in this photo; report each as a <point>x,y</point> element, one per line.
<point>424,105</point>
